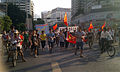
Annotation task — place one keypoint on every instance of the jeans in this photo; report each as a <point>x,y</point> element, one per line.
<point>43,43</point>
<point>103,41</point>
<point>66,44</point>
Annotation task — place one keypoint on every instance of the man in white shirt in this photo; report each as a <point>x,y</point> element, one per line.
<point>105,35</point>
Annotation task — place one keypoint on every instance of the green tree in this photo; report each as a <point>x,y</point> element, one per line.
<point>38,21</point>
<point>18,16</point>
<point>7,23</point>
<point>21,27</point>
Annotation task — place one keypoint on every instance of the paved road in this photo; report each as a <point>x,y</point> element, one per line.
<point>66,61</point>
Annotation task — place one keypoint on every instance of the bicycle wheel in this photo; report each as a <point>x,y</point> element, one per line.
<point>111,51</point>
<point>14,60</point>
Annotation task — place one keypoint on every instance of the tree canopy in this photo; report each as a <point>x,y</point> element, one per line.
<point>6,23</point>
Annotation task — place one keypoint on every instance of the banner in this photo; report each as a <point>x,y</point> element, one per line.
<point>42,27</point>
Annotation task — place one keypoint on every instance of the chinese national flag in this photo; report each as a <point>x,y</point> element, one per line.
<point>55,27</point>
<point>103,25</point>
<point>65,19</point>
<point>71,38</point>
<point>91,26</point>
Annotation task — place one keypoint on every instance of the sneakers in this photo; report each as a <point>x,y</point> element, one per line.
<point>36,56</point>
<point>23,60</point>
<point>81,56</point>
<point>75,53</point>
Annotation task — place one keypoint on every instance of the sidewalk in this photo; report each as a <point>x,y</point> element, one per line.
<point>2,66</point>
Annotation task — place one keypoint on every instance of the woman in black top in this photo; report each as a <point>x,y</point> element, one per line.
<point>35,42</point>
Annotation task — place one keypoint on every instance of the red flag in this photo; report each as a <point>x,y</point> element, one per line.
<point>21,37</point>
<point>91,26</point>
<point>103,25</point>
<point>65,19</point>
<point>55,27</point>
<point>71,38</point>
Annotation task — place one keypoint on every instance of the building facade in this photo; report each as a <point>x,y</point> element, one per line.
<point>56,16</point>
<point>96,11</point>
<point>2,9</point>
<point>27,6</point>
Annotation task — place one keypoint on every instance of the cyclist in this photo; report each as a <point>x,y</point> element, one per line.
<point>105,36</point>
<point>18,38</point>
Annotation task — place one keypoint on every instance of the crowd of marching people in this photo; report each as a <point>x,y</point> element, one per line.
<point>55,39</point>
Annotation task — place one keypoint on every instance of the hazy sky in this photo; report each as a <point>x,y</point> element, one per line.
<point>46,5</point>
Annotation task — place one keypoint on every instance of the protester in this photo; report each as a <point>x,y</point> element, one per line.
<point>90,38</point>
<point>57,38</point>
<point>66,42</point>
<point>26,43</point>
<point>74,35</point>
<point>4,38</point>
<point>79,42</point>
<point>35,43</point>
<point>43,40</point>
<point>30,42</point>
<point>50,37</point>
<point>62,38</point>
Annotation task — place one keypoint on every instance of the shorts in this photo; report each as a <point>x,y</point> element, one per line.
<point>79,44</point>
<point>18,48</point>
<point>50,44</point>
<point>34,47</point>
<point>61,44</point>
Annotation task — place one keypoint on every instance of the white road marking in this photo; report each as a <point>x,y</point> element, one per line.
<point>55,67</point>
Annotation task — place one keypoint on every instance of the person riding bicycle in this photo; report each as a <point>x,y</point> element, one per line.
<point>105,36</point>
<point>90,38</point>
<point>17,40</point>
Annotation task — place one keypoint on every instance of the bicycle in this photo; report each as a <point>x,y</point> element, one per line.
<point>111,51</point>
<point>13,54</point>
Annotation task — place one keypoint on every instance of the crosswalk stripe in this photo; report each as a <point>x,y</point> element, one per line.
<point>55,67</point>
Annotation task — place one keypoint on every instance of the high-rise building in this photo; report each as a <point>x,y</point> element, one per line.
<point>96,11</point>
<point>26,5</point>
<point>56,16</point>
<point>2,9</point>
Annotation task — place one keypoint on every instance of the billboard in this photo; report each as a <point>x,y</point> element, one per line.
<point>42,27</point>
